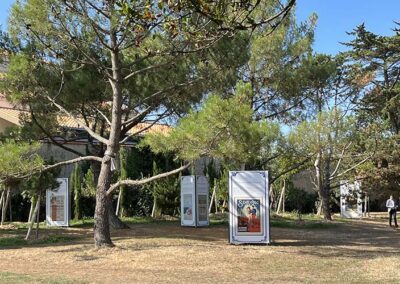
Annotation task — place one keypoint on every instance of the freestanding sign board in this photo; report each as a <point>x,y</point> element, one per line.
<point>194,201</point>
<point>248,207</point>
<point>57,204</point>
<point>350,199</point>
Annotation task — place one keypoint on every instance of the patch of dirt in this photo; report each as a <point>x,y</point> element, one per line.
<point>8,227</point>
<point>354,251</point>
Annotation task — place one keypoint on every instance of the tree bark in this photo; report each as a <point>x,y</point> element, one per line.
<point>115,222</point>
<point>2,202</point>
<point>281,203</point>
<point>32,220</point>
<point>118,202</point>
<point>212,200</point>
<point>319,211</point>
<point>216,200</point>
<point>153,211</point>
<point>32,208</point>
<point>10,209</point>
<point>323,186</point>
<point>325,195</point>
<point>102,235</point>
<point>38,215</point>
<point>6,200</point>
<point>223,206</point>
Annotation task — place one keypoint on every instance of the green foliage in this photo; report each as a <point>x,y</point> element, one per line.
<point>89,185</point>
<point>218,130</point>
<point>299,200</point>
<point>276,69</point>
<point>40,182</point>
<point>329,131</point>
<point>376,62</point>
<point>166,193</point>
<point>76,181</point>
<point>18,159</point>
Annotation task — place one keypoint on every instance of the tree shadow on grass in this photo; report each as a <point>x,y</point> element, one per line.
<point>363,239</point>
<point>356,239</point>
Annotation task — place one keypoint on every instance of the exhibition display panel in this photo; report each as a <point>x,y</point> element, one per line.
<point>248,207</point>
<point>194,201</point>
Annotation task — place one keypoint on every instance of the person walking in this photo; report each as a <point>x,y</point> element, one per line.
<point>392,209</point>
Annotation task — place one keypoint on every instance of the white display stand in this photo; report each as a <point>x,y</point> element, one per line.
<point>350,199</point>
<point>194,201</point>
<point>248,207</point>
<point>57,204</point>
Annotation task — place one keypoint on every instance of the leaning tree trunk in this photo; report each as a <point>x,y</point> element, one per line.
<point>38,214</point>
<point>33,203</point>
<point>118,202</point>
<point>6,200</point>
<point>32,220</point>
<point>212,200</point>
<point>281,204</point>
<point>153,211</point>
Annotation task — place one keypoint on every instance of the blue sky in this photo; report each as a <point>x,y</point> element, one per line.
<point>335,18</point>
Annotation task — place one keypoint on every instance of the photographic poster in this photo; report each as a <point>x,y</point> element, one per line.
<point>57,207</point>
<point>57,204</point>
<point>248,216</point>
<point>187,207</point>
<point>202,207</point>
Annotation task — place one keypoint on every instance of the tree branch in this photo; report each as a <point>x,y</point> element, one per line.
<point>52,138</point>
<point>114,186</point>
<point>91,133</point>
<point>295,166</point>
<point>47,168</point>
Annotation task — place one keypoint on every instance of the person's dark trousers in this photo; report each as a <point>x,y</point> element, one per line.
<point>392,214</point>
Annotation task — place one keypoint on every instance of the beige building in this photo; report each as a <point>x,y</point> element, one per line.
<point>10,117</point>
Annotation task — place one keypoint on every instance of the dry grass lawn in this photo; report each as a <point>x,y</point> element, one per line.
<point>352,252</point>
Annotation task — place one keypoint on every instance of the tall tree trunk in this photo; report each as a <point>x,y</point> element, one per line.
<point>325,196</point>
<point>323,187</point>
<point>102,235</point>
